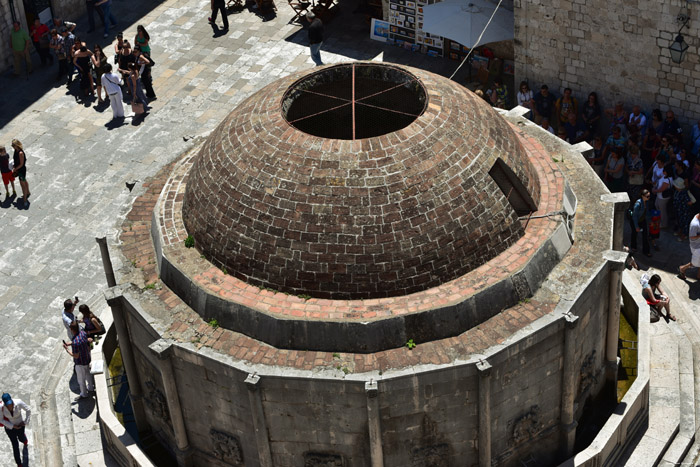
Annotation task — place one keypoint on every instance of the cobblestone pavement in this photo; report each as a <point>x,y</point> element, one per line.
<point>78,165</point>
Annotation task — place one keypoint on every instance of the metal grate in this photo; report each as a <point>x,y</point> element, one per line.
<point>354,101</point>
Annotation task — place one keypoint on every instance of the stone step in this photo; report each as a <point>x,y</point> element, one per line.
<point>656,439</point>
<point>686,433</point>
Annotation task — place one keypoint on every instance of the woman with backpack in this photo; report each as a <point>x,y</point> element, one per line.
<point>93,325</point>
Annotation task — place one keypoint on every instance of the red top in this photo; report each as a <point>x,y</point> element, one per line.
<point>36,33</point>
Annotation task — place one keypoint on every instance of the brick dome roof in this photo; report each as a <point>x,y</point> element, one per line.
<point>388,215</point>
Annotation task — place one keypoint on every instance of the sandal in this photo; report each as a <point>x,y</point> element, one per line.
<point>680,274</point>
<point>671,317</point>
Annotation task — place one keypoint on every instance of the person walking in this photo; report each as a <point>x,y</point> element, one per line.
<point>91,8</point>
<point>19,158</point>
<point>639,223</point>
<point>106,6</point>
<point>216,7</point>
<point>40,38</point>
<point>80,351</point>
<point>20,41</point>
<point>315,37</point>
<point>14,423</point>
<point>112,83</point>
<point>694,237</point>
<point>7,177</point>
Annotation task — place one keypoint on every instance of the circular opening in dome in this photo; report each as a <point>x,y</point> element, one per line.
<point>354,101</point>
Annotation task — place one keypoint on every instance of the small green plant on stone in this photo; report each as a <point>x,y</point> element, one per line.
<point>213,323</point>
<point>304,296</point>
<point>345,370</point>
<point>223,269</point>
<point>410,344</point>
<point>150,286</point>
<point>555,159</point>
<point>336,355</point>
<point>189,241</point>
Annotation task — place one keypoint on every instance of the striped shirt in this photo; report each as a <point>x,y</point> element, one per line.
<point>81,349</point>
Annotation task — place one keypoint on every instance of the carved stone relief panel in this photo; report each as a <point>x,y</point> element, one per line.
<point>156,401</point>
<point>227,447</point>
<point>323,459</point>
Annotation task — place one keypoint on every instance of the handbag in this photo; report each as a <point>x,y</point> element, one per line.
<point>137,108</point>
<point>636,179</point>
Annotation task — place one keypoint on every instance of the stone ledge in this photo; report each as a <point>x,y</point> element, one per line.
<point>363,326</point>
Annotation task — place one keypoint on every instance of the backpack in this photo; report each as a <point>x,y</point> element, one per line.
<point>102,327</point>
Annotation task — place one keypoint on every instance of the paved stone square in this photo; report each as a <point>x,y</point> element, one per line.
<point>78,165</point>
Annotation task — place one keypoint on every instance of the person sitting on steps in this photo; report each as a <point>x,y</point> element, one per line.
<point>656,297</point>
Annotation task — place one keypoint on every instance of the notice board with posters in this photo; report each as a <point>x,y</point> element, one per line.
<point>406,27</point>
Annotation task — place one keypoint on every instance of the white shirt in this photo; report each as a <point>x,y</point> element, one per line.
<point>659,183</point>
<point>67,319</point>
<point>657,173</point>
<point>694,231</point>
<point>640,120</point>
<point>524,98</point>
<point>9,419</point>
<point>111,82</point>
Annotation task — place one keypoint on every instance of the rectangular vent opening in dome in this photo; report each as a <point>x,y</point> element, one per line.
<point>513,189</point>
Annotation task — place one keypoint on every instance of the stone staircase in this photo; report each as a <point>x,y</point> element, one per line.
<point>668,438</point>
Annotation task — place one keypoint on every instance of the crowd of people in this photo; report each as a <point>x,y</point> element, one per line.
<point>648,156</point>
<point>123,80</point>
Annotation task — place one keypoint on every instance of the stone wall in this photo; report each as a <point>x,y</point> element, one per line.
<point>6,29</point>
<point>618,49</point>
<point>71,10</point>
<point>427,415</point>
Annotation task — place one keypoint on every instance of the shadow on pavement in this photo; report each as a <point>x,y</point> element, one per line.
<point>115,123</point>
<point>85,407</point>
<point>349,26</point>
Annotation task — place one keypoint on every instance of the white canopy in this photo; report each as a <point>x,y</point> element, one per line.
<point>463,20</point>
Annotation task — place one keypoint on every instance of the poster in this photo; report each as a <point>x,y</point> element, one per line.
<point>479,62</point>
<point>380,30</point>
<point>406,27</point>
<point>508,67</point>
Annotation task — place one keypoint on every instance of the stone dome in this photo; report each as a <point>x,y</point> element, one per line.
<point>282,196</point>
